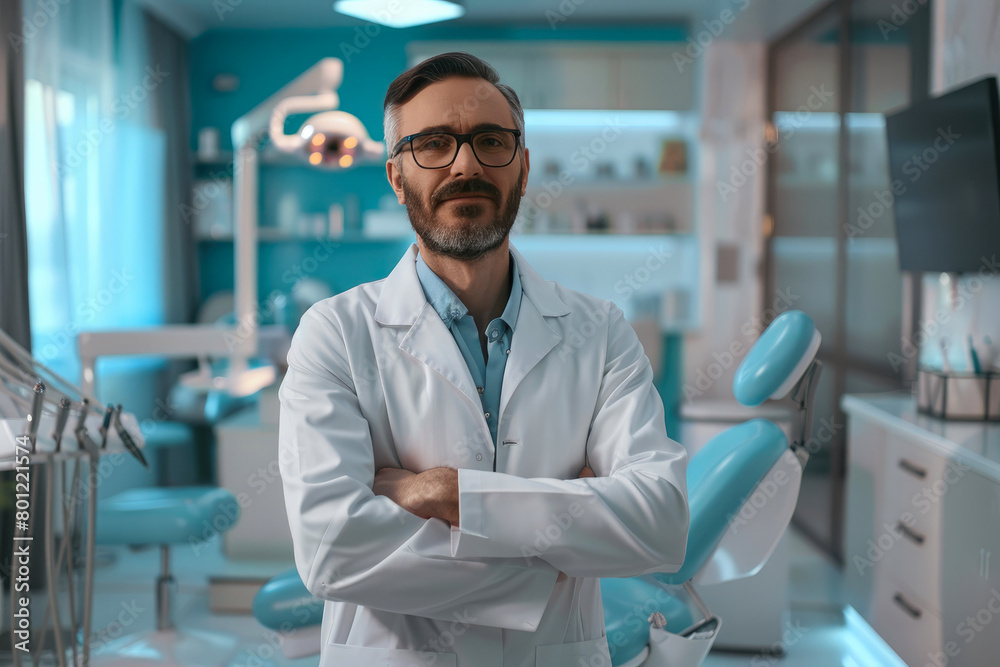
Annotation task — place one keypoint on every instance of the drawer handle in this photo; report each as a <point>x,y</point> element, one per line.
<point>910,609</point>
<point>912,534</point>
<point>913,468</point>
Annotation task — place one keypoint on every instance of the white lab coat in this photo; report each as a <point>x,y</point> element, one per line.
<point>376,379</point>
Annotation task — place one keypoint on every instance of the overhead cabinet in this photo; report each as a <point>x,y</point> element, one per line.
<point>599,75</point>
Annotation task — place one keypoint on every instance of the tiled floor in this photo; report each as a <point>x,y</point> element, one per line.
<point>826,635</point>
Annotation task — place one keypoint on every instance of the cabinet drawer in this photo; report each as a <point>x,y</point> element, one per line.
<point>916,483</point>
<point>912,631</point>
<point>914,561</point>
<point>909,467</point>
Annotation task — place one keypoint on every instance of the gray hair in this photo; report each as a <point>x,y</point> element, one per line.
<point>438,68</point>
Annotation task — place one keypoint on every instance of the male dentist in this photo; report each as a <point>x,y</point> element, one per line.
<point>441,428</point>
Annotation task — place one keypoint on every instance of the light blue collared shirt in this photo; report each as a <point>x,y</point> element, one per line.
<point>487,373</point>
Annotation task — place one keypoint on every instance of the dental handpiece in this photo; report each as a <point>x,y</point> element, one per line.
<point>35,418</point>
<point>61,418</point>
<point>126,438</point>
<point>106,425</point>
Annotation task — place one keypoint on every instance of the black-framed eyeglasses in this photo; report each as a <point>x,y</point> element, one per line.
<point>494,147</point>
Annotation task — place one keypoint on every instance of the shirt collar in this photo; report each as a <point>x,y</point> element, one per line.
<point>450,308</point>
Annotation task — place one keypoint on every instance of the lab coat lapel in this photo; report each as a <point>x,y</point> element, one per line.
<point>533,336</point>
<point>532,340</point>
<point>403,303</point>
<point>430,342</point>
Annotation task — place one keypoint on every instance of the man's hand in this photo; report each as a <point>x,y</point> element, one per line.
<point>432,493</point>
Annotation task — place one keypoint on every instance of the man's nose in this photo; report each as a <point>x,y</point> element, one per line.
<point>465,163</point>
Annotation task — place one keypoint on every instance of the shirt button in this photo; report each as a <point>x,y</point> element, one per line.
<point>480,389</point>
<point>494,335</point>
<point>508,351</point>
<point>479,457</point>
<point>487,415</point>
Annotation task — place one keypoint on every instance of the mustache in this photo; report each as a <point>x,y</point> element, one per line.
<point>472,186</point>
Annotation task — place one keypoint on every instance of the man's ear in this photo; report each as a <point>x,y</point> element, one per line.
<point>527,167</point>
<point>395,176</point>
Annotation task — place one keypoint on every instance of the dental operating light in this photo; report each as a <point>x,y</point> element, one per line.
<point>400,14</point>
<point>329,139</point>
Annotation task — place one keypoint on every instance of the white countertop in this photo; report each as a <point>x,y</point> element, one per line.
<point>975,444</point>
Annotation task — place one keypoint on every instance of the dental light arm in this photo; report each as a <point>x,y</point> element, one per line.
<point>332,139</point>
<point>318,82</point>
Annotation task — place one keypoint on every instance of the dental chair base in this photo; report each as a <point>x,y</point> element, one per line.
<point>161,517</point>
<point>167,648</point>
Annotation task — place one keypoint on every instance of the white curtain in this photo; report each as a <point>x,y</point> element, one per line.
<point>98,197</point>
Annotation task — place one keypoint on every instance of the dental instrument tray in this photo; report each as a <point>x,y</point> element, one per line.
<point>53,419</point>
<point>959,396</point>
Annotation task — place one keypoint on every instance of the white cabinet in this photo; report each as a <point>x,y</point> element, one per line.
<point>247,464</point>
<point>575,75</point>
<point>922,528</point>
<point>652,80</point>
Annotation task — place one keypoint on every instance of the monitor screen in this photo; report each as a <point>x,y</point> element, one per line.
<point>944,175</point>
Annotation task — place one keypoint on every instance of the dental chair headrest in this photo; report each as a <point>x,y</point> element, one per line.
<point>778,359</point>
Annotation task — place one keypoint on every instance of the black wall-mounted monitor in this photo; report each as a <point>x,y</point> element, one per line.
<point>943,167</point>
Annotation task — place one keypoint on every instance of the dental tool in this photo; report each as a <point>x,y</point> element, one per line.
<point>127,439</point>
<point>35,417</point>
<point>51,576</point>
<point>106,425</point>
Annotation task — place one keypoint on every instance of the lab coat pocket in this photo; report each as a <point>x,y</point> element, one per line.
<point>590,652</point>
<point>341,655</point>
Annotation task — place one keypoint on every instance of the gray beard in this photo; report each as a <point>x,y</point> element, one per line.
<point>468,240</point>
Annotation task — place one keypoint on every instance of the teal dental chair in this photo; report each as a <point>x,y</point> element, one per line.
<point>742,489</point>
<point>159,517</point>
